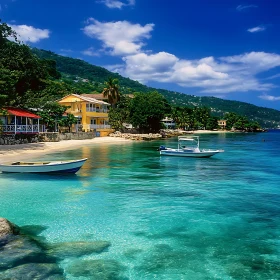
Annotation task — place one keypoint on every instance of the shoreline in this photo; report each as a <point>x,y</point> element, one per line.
<point>17,152</point>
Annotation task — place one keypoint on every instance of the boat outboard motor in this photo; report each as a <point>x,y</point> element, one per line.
<point>161,148</point>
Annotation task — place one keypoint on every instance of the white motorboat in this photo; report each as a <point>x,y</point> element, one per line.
<point>188,146</point>
<point>68,166</point>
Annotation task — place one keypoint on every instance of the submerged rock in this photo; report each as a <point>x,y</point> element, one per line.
<point>97,269</point>
<point>77,249</point>
<point>22,257</point>
<point>6,228</point>
<point>32,230</point>
<point>132,253</point>
<point>19,250</point>
<point>31,271</point>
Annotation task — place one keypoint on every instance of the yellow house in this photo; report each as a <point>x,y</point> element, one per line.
<point>91,114</point>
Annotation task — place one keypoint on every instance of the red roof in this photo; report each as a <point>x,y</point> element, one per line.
<point>21,113</point>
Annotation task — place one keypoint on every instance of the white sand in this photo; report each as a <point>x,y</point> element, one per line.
<point>24,151</point>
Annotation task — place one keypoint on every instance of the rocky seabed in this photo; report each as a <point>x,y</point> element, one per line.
<point>24,255</point>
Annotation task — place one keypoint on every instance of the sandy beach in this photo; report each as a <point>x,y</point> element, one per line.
<point>24,151</point>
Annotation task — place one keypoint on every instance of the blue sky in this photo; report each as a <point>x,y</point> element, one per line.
<point>223,48</point>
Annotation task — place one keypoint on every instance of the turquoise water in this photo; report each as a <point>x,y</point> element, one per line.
<point>166,218</point>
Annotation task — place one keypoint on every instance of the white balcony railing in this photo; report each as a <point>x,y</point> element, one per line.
<point>20,128</point>
<point>99,126</point>
<point>97,110</point>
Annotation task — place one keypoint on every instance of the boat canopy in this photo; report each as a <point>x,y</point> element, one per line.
<point>186,139</point>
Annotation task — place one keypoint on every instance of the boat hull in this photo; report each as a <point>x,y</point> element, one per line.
<point>188,146</point>
<point>53,167</point>
<point>201,154</point>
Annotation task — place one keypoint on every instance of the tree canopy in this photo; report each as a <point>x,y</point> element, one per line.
<point>25,80</point>
<point>111,91</point>
<point>147,110</point>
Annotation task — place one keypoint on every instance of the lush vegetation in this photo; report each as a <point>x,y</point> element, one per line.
<point>87,78</point>
<point>36,79</point>
<point>146,110</point>
<point>111,91</point>
<point>26,80</point>
<point>29,82</point>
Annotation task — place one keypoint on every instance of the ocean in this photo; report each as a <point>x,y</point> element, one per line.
<point>160,217</point>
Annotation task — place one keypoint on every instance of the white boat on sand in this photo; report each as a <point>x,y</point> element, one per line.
<point>188,146</point>
<point>67,166</point>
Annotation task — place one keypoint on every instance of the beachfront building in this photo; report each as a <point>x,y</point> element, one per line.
<point>19,121</point>
<point>222,124</point>
<point>169,123</point>
<point>91,114</point>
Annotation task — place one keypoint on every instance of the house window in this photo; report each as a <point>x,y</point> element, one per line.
<point>104,109</point>
<point>90,107</point>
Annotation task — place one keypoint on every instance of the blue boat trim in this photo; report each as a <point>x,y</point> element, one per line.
<point>71,170</point>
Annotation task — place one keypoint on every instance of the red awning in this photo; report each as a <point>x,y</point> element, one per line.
<point>22,113</point>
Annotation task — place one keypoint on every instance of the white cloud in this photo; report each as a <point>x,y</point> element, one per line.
<point>255,62</point>
<point>273,77</point>
<point>117,4</point>
<point>269,97</point>
<point>156,66</point>
<point>30,34</point>
<point>256,29</point>
<point>121,37</point>
<point>212,75</point>
<point>91,52</point>
<point>221,75</point>
<point>244,7</point>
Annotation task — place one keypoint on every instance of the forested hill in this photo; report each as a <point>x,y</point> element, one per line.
<point>77,70</point>
<point>88,78</point>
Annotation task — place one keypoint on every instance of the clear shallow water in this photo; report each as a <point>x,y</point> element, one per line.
<point>166,218</point>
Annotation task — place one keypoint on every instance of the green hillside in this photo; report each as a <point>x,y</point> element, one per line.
<point>86,78</point>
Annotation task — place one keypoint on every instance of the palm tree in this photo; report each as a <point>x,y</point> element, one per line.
<point>111,91</point>
<point>182,116</point>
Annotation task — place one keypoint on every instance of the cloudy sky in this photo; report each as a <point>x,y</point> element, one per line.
<point>224,48</point>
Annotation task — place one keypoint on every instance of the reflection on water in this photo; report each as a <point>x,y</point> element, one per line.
<point>158,217</point>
